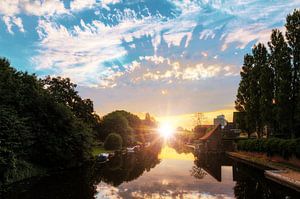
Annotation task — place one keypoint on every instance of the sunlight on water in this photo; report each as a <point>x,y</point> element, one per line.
<point>170,153</point>
<point>171,178</point>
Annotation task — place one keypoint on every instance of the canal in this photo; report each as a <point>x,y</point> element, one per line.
<point>155,172</point>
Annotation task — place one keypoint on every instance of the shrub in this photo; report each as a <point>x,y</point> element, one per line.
<point>113,141</point>
<point>273,146</point>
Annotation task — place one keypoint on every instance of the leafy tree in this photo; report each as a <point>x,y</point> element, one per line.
<point>64,91</point>
<point>113,141</point>
<point>14,132</point>
<point>259,59</point>
<point>133,121</point>
<point>35,127</point>
<point>280,62</point>
<point>293,38</point>
<point>242,102</point>
<point>149,121</point>
<point>266,79</point>
<point>117,123</point>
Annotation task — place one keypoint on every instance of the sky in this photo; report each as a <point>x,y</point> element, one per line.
<point>170,58</point>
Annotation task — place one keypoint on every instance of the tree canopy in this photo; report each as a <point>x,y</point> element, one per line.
<point>269,90</point>
<point>40,122</point>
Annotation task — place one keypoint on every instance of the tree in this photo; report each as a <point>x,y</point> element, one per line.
<point>242,102</point>
<point>149,121</point>
<point>64,91</point>
<point>257,84</point>
<point>14,132</point>
<point>280,62</point>
<point>293,38</point>
<point>35,127</point>
<point>113,141</point>
<point>266,79</point>
<point>117,123</point>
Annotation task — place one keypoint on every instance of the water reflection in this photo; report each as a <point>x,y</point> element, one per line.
<point>250,183</point>
<point>155,173</point>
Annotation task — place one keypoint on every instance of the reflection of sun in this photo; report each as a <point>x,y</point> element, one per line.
<point>166,130</point>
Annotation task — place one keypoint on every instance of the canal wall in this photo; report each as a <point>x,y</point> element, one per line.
<point>278,173</point>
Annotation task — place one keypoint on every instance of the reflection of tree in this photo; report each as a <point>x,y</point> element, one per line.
<point>251,183</point>
<point>211,163</point>
<point>81,182</point>
<point>198,172</point>
<point>179,146</point>
<point>125,168</point>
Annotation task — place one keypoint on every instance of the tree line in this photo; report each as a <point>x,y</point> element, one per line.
<point>45,124</point>
<point>268,96</point>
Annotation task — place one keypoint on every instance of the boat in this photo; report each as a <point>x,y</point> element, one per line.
<point>133,149</point>
<point>103,157</point>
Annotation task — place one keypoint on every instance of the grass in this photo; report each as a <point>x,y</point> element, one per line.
<point>100,149</point>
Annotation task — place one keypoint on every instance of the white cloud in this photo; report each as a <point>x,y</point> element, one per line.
<point>95,42</point>
<point>8,23</point>
<point>31,7</point>
<point>9,9</point>
<point>87,4</point>
<point>158,68</point>
<point>11,21</point>
<point>81,50</point>
<point>18,22</point>
<point>245,35</point>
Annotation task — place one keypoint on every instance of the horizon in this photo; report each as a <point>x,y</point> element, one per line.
<point>170,58</point>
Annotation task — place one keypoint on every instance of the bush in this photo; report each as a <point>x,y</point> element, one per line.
<point>113,141</point>
<point>273,146</point>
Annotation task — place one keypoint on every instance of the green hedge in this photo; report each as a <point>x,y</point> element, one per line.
<point>273,146</point>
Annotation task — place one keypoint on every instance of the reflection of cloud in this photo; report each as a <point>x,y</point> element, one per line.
<point>105,191</point>
<point>170,153</point>
<point>171,179</point>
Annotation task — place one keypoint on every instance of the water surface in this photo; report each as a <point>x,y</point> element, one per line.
<point>156,172</point>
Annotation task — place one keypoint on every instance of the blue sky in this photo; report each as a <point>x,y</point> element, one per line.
<point>166,57</point>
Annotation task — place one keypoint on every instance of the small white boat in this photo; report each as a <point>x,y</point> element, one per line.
<point>103,157</point>
<point>133,149</point>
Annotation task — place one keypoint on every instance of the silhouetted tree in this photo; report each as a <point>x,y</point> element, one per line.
<point>117,123</point>
<point>280,62</point>
<point>266,82</point>
<point>113,141</point>
<point>242,102</point>
<point>35,128</point>
<point>293,38</point>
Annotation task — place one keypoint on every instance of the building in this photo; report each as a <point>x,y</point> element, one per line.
<point>220,120</point>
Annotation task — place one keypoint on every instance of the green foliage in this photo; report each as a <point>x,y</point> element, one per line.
<point>293,38</point>
<point>268,93</point>
<point>280,62</point>
<point>273,146</point>
<point>117,123</point>
<point>113,141</point>
<point>129,126</point>
<point>63,91</point>
<point>39,128</point>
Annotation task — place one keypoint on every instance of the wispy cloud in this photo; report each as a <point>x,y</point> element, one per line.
<point>172,48</point>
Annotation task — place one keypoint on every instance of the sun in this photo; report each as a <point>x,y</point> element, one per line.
<point>166,130</point>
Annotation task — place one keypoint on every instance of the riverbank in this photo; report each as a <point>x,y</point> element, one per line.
<point>282,173</point>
